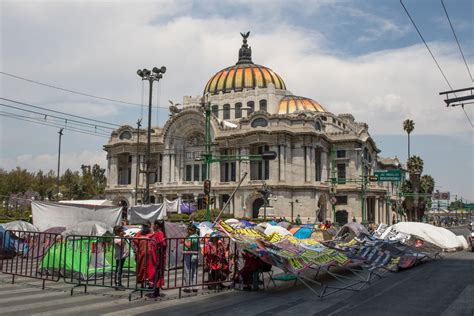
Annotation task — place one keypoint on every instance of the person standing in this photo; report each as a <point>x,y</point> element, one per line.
<point>121,254</point>
<point>158,257</point>
<point>215,256</point>
<point>298,220</point>
<point>190,258</point>
<point>144,251</point>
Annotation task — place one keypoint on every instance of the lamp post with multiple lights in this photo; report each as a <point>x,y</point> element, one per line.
<point>154,75</point>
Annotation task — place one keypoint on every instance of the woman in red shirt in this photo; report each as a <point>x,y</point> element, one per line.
<point>215,256</point>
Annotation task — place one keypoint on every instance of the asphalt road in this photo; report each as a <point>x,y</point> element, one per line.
<point>441,287</point>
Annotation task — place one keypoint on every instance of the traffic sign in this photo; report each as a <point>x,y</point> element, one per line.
<point>394,175</point>
<point>469,205</point>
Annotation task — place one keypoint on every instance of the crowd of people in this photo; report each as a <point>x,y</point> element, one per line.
<point>149,245</point>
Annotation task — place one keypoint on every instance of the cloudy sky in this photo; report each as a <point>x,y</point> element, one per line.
<point>359,57</point>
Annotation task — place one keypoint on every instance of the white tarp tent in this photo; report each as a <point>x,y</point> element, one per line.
<point>88,202</point>
<point>438,236</point>
<point>47,215</point>
<point>140,213</point>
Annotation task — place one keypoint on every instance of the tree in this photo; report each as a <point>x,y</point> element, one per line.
<point>427,185</point>
<point>408,127</point>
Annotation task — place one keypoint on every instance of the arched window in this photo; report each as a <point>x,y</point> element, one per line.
<point>226,112</point>
<point>259,122</point>
<point>251,107</point>
<point>263,105</point>
<point>125,135</point>
<point>318,126</point>
<point>238,110</point>
<point>215,110</point>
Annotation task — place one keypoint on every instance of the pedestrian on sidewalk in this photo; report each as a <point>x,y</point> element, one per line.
<point>215,256</point>
<point>158,257</point>
<point>121,254</point>
<point>190,258</point>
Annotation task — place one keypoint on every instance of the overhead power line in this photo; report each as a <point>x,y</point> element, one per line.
<point>427,47</point>
<point>77,130</point>
<point>67,90</point>
<point>59,112</point>
<point>432,56</point>
<point>66,120</point>
<point>457,41</point>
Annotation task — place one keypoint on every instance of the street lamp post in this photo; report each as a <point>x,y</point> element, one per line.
<point>137,173</point>
<point>292,204</point>
<point>59,157</point>
<point>155,75</point>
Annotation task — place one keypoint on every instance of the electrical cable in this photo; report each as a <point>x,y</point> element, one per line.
<point>432,56</point>
<point>457,41</point>
<point>67,90</point>
<point>66,120</point>
<point>51,125</point>
<point>59,112</point>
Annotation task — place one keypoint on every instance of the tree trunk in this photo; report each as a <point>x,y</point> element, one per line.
<point>408,146</point>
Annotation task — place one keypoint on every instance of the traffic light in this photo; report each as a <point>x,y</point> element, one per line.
<point>207,187</point>
<point>205,200</point>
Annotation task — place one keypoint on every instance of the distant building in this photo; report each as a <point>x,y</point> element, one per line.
<point>253,112</point>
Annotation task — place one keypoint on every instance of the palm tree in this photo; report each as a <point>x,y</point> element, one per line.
<point>408,126</point>
<point>415,168</point>
<point>427,185</point>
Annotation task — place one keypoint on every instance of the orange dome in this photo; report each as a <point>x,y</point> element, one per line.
<point>290,103</point>
<point>243,75</point>
<point>238,77</point>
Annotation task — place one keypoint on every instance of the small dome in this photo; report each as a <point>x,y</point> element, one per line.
<point>243,75</point>
<point>290,103</point>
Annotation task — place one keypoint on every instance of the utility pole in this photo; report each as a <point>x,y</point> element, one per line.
<point>137,173</point>
<point>59,157</point>
<point>155,75</point>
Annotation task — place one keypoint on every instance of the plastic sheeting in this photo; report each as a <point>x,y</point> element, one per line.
<point>89,229</point>
<point>138,214</point>
<point>438,236</point>
<point>20,225</point>
<point>47,215</point>
<point>276,229</point>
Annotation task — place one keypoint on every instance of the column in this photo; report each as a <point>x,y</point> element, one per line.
<point>165,169</point>
<point>282,162</point>
<point>377,210</point>
<point>274,167</point>
<point>245,165</point>
<point>172,167</point>
<point>324,165</point>
<point>113,171</point>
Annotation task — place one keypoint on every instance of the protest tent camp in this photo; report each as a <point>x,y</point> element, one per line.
<point>303,232</point>
<point>40,243</point>
<point>47,215</point>
<point>20,225</point>
<point>438,236</point>
<point>90,228</point>
<point>351,230</point>
<point>276,229</point>
<point>86,258</point>
<point>7,249</point>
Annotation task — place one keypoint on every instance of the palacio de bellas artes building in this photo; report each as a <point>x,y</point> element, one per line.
<point>252,112</point>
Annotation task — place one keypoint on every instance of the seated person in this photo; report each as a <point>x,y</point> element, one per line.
<point>252,264</point>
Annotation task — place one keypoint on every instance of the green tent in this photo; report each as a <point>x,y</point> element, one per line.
<point>85,258</point>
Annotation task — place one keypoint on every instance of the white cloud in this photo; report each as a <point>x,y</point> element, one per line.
<point>46,161</point>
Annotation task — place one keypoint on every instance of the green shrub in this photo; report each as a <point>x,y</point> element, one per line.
<point>178,217</point>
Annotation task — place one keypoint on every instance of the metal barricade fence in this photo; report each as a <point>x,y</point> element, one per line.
<point>110,261</point>
<point>28,254</point>
<point>194,262</point>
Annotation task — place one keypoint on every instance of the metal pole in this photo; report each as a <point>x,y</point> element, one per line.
<point>148,147</point>
<point>208,152</point>
<point>292,202</point>
<point>137,173</point>
<point>231,197</point>
<point>59,157</point>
